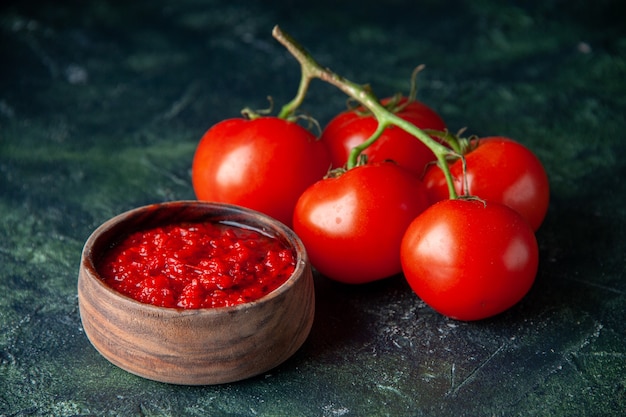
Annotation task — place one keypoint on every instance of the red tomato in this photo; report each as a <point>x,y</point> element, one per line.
<point>352,225</point>
<point>349,129</point>
<point>501,170</point>
<point>469,259</point>
<point>263,164</point>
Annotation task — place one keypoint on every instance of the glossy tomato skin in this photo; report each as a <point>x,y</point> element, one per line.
<point>502,170</point>
<point>352,225</point>
<point>468,259</point>
<point>263,164</point>
<point>349,129</point>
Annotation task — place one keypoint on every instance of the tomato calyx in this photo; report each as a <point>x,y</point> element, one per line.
<point>250,114</point>
<point>362,160</point>
<point>459,144</point>
<point>311,123</point>
<point>335,173</point>
<point>469,197</point>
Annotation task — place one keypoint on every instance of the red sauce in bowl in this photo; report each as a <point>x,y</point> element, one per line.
<point>197,265</point>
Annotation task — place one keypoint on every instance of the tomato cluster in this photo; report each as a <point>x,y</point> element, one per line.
<point>460,228</point>
<point>468,258</point>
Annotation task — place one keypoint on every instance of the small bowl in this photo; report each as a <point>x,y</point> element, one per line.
<point>194,346</point>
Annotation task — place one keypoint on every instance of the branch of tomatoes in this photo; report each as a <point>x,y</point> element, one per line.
<point>523,185</point>
<point>469,258</point>
<point>312,69</point>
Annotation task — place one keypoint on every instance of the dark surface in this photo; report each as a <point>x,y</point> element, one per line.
<point>102,104</point>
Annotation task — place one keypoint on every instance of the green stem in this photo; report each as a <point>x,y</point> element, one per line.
<point>311,69</point>
<point>289,108</point>
<point>353,158</point>
<point>448,138</point>
<point>413,90</point>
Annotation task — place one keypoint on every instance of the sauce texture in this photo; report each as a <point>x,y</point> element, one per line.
<point>197,265</point>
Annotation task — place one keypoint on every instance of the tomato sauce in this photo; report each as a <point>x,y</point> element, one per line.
<point>197,265</point>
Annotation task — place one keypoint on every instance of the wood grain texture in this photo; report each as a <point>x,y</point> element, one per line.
<point>199,346</point>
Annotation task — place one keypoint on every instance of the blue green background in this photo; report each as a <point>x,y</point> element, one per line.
<point>103,102</point>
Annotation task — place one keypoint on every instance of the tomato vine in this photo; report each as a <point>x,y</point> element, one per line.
<point>459,213</point>
<point>311,69</point>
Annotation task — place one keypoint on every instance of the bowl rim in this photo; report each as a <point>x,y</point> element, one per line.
<point>275,227</point>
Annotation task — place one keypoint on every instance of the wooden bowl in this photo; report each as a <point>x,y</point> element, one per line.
<point>194,346</point>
